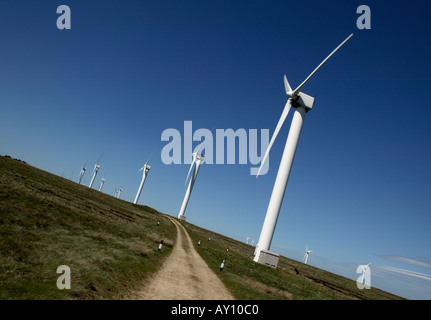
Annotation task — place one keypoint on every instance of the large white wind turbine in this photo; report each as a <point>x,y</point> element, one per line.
<point>145,169</point>
<point>307,252</point>
<point>96,168</point>
<point>198,158</point>
<point>302,103</point>
<point>81,174</point>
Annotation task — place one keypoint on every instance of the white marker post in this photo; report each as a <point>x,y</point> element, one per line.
<point>222,265</point>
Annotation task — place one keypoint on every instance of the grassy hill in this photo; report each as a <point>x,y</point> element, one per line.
<point>292,280</point>
<point>46,221</point>
<point>111,247</point>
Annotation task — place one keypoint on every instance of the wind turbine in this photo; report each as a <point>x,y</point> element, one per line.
<point>302,103</point>
<point>307,252</point>
<point>198,158</point>
<point>101,184</point>
<point>81,174</point>
<point>145,169</point>
<point>364,269</point>
<point>96,168</point>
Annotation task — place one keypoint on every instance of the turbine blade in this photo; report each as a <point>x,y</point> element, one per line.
<point>287,85</point>
<point>149,157</point>
<point>297,90</point>
<point>199,146</point>
<point>277,129</point>
<point>191,166</point>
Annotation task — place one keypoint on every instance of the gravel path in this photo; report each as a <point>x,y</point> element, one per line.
<point>184,275</point>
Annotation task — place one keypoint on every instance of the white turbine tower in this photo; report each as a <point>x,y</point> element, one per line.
<point>101,184</point>
<point>145,169</point>
<point>302,103</point>
<point>198,158</point>
<point>96,168</point>
<point>307,252</point>
<point>81,174</point>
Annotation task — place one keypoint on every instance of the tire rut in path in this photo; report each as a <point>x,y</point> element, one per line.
<point>184,275</point>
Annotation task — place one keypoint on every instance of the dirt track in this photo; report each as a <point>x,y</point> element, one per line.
<point>184,276</point>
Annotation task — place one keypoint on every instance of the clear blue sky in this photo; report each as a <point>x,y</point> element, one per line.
<point>359,190</point>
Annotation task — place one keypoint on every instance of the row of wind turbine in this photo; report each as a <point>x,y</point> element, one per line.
<point>95,170</point>
<point>145,169</point>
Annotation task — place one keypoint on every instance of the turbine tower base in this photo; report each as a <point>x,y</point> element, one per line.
<point>268,258</point>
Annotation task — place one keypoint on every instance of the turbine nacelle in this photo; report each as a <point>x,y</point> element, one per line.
<point>145,167</point>
<point>298,99</point>
<point>303,100</point>
<point>196,156</point>
<point>199,156</point>
<point>364,267</point>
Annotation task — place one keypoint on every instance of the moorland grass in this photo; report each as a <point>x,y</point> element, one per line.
<point>291,280</point>
<point>111,246</point>
<point>47,221</point>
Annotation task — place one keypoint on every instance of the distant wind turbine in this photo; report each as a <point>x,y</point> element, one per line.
<point>145,169</point>
<point>364,269</point>
<point>81,174</point>
<point>101,184</point>
<point>302,103</point>
<point>307,252</point>
<point>96,168</point>
<point>198,158</point>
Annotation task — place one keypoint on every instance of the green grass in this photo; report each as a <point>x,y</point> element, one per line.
<point>111,247</point>
<point>47,221</point>
<point>292,280</point>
